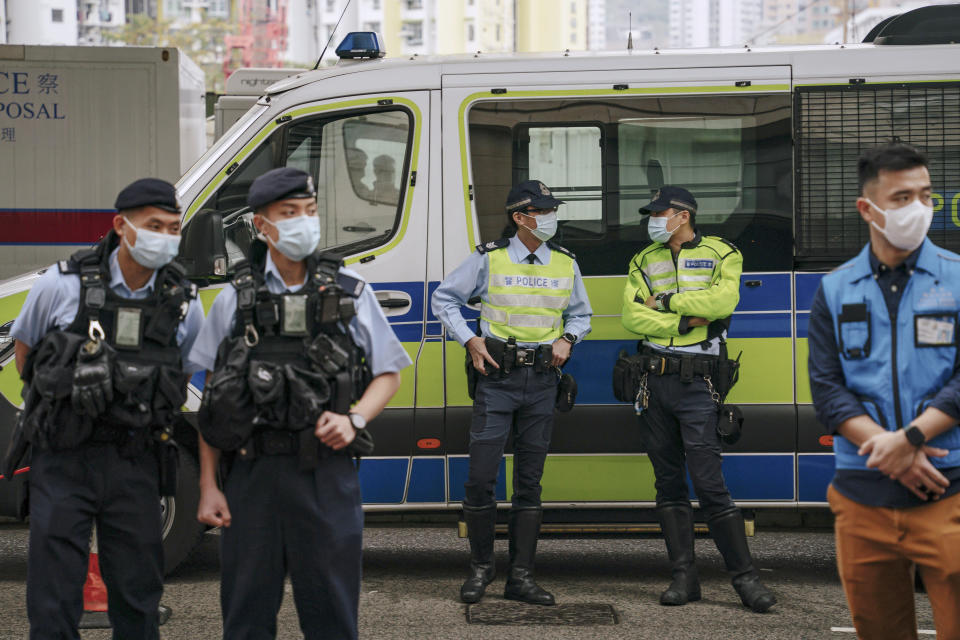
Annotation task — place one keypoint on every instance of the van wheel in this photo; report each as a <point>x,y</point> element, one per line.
<point>181,529</point>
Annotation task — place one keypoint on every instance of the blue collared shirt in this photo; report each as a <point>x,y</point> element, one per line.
<point>54,299</point>
<point>836,403</point>
<point>471,277</point>
<point>369,328</point>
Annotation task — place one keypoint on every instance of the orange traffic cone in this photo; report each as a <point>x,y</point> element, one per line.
<point>95,594</point>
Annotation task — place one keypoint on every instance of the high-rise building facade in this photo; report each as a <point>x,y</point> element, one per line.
<point>41,21</point>
<point>551,25</point>
<point>713,23</point>
<point>97,17</point>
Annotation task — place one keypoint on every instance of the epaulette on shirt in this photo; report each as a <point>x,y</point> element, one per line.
<point>727,242</point>
<point>555,247</point>
<point>350,285</point>
<point>500,243</point>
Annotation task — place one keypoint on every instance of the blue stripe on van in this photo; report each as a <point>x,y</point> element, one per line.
<point>382,480</point>
<point>756,477</point>
<point>814,474</point>
<point>807,284</point>
<point>772,294</point>
<point>760,325</point>
<point>459,468</point>
<point>426,481</point>
<point>414,290</point>
<point>410,332</point>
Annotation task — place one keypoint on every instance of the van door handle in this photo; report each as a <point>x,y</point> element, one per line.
<point>752,283</point>
<point>393,301</point>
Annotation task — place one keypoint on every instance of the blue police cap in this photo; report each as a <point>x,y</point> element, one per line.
<point>670,197</point>
<point>150,192</point>
<point>280,184</point>
<point>531,193</point>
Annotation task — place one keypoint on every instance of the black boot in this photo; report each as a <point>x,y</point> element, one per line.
<point>524,527</point>
<point>481,530</point>
<point>728,532</point>
<point>676,520</point>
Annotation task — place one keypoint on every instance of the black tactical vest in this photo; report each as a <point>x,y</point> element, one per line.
<point>140,336</point>
<point>302,358</point>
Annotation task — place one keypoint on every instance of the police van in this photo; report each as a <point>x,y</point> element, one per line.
<point>413,158</point>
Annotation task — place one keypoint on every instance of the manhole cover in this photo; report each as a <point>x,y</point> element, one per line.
<point>518,613</point>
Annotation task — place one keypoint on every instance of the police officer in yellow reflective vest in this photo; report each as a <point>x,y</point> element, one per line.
<point>680,294</point>
<point>535,308</point>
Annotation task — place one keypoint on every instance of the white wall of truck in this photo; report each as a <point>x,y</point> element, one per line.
<point>76,125</point>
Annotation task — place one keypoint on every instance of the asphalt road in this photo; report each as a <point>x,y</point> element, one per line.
<point>412,576</point>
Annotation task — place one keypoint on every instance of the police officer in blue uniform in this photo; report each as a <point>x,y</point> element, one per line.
<point>535,308</point>
<point>101,343</point>
<point>291,345</point>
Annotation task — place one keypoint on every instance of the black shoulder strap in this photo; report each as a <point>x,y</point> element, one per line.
<point>91,264</point>
<point>245,283</point>
<point>500,243</point>
<point>555,247</point>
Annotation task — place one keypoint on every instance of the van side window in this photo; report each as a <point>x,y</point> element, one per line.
<point>359,162</point>
<point>606,157</point>
<point>569,160</point>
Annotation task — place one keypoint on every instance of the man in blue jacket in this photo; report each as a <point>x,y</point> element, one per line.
<point>886,382</point>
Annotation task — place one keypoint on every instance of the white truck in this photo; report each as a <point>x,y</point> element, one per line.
<point>77,124</point>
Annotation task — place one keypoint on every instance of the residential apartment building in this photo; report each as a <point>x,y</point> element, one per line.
<point>41,21</point>
<point>713,23</point>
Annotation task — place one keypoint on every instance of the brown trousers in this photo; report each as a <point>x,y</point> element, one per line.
<point>877,549</point>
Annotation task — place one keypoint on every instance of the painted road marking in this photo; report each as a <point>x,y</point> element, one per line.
<point>922,632</point>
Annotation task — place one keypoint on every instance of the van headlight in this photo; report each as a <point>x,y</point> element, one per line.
<point>6,341</point>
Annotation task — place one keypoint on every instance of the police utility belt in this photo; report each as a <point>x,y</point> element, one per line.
<point>631,373</point>
<point>510,356</point>
<point>290,358</point>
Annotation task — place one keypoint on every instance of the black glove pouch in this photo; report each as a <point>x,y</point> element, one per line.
<point>134,385</point>
<point>566,393</point>
<point>626,376</point>
<point>309,393</point>
<point>268,385</point>
<point>226,411</point>
<point>49,421</point>
<point>730,423</point>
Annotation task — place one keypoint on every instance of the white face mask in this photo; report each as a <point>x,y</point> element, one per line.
<point>907,226</point>
<point>151,249</point>
<point>297,237</point>
<point>657,228</point>
<point>546,225</point>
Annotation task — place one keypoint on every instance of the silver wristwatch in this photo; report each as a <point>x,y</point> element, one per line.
<point>358,421</point>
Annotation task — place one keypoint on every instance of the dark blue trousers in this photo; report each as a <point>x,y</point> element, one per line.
<point>305,523</point>
<point>679,431</point>
<point>69,490</point>
<point>520,402</point>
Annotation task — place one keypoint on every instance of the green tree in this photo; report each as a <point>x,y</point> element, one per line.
<point>203,41</point>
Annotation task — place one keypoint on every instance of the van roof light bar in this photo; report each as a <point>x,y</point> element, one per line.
<point>361,45</point>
